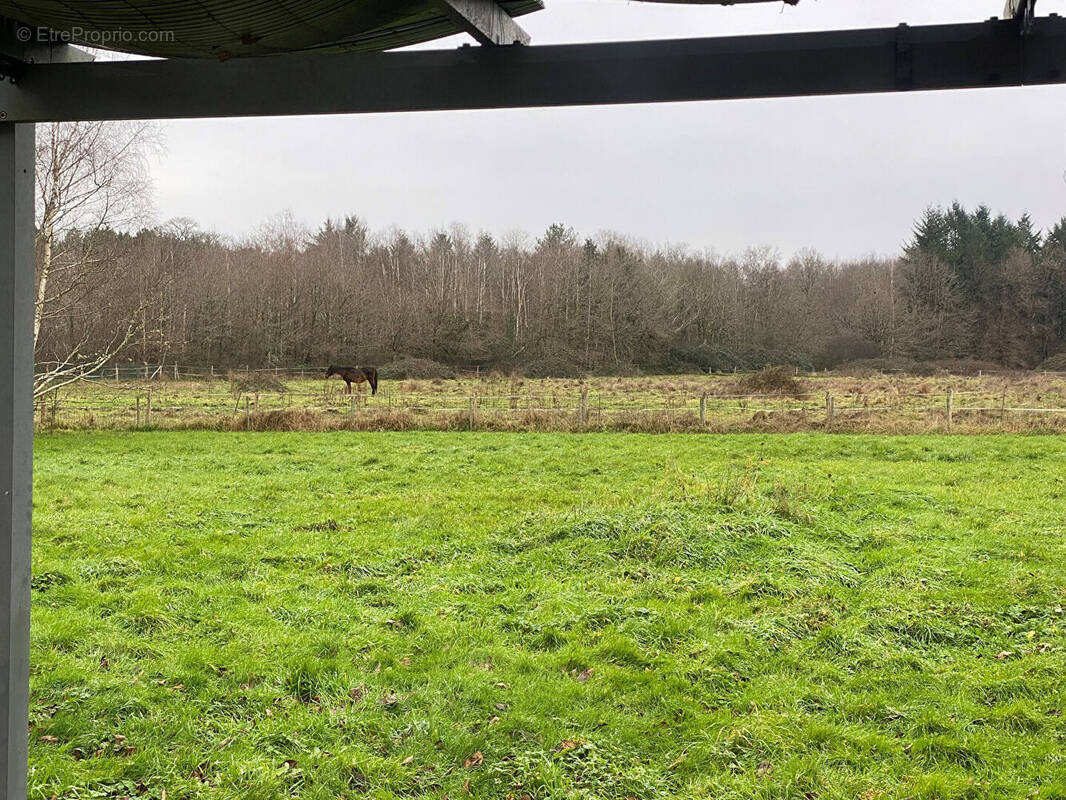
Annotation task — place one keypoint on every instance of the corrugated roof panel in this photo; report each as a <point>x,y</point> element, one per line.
<point>233,28</point>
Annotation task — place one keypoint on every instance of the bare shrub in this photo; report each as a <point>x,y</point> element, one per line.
<point>868,367</point>
<point>249,382</point>
<point>1056,363</point>
<point>957,366</point>
<point>408,367</point>
<point>771,380</point>
<point>553,367</point>
<point>284,419</point>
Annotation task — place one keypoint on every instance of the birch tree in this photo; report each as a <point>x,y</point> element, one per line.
<point>92,181</point>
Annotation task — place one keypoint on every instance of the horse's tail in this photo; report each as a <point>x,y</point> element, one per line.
<point>372,379</point>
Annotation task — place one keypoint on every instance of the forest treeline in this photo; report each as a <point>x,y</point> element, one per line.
<point>969,285</point>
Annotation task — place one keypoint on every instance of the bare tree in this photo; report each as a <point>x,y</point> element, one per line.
<point>556,305</point>
<point>93,185</point>
<point>940,323</point>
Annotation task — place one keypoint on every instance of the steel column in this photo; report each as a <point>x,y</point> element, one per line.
<point>16,447</point>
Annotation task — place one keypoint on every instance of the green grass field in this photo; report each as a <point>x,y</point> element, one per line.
<point>548,616</point>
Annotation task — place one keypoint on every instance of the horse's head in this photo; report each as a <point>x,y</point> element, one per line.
<point>332,371</point>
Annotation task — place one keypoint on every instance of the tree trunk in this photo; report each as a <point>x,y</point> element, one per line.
<point>44,267</point>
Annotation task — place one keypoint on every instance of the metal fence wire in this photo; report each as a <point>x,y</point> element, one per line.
<point>179,396</point>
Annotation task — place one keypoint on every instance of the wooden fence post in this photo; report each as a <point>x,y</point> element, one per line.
<point>247,414</point>
<point>951,403</point>
<point>148,408</point>
<point>116,372</point>
<point>473,411</point>
<point>583,408</point>
<point>703,408</point>
<point>138,411</point>
<point>175,370</point>
<point>257,402</point>
<point>829,408</point>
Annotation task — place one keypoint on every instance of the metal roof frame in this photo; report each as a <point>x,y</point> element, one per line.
<point>221,29</point>
<point>969,55</point>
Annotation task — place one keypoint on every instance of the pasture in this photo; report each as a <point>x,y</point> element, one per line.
<point>593,617</point>
<point>1014,402</point>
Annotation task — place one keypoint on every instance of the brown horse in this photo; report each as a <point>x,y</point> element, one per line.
<point>356,375</point>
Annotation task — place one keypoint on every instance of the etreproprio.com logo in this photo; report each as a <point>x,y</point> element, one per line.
<point>92,38</point>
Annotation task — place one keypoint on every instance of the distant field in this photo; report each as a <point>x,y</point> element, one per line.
<point>1019,402</point>
<point>324,615</point>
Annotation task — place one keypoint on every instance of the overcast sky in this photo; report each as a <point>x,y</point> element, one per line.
<point>845,175</point>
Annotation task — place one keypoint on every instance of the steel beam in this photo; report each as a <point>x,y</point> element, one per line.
<point>16,448</point>
<point>973,55</point>
<point>485,21</point>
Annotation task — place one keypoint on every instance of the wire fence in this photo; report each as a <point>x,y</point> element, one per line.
<point>192,400</point>
<point>177,371</point>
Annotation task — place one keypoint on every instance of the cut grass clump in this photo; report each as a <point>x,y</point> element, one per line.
<point>306,681</point>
